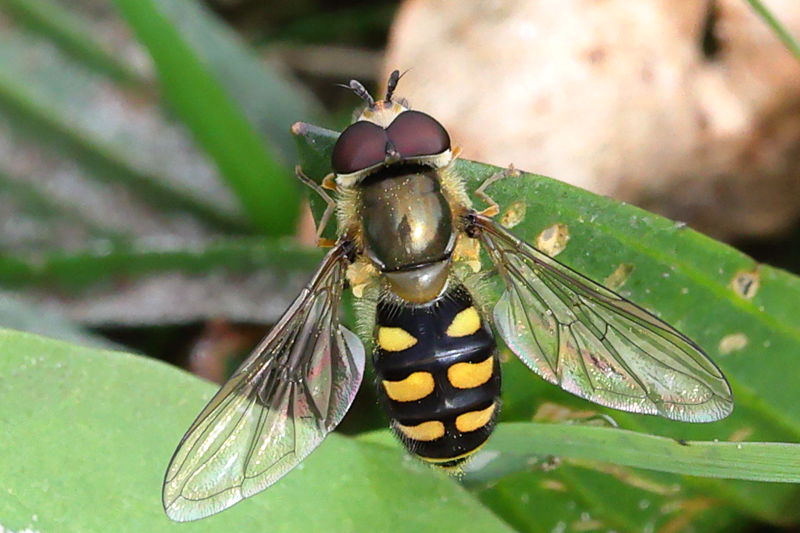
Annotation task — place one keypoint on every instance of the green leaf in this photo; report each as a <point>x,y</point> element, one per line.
<point>164,282</point>
<point>71,273</point>
<point>33,203</point>
<point>198,94</point>
<point>271,99</point>
<point>677,272</point>
<point>314,146</point>
<point>71,34</point>
<point>510,451</point>
<point>90,433</point>
<point>687,279</point>
<point>516,446</point>
<point>574,498</point>
<point>48,102</point>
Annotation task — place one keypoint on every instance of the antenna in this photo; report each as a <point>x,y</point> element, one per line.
<point>394,77</point>
<point>360,91</point>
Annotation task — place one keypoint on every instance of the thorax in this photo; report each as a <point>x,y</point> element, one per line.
<point>407,229</point>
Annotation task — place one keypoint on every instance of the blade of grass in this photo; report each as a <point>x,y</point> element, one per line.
<point>42,120</point>
<point>268,95</point>
<point>72,35</point>
<point>72,273</point>
<point>511,448</point>
<point>44,208</point>
<point>573,498</point>
<point>572,461</point>
<point>767,16</point>
<point>517,446</point>
<point>219,124</point>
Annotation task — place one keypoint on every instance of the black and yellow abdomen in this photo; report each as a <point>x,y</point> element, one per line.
<point>438,375</point>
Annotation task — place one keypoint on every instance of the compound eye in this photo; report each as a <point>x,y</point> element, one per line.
<point>360,146</point>
<point>415,134</point>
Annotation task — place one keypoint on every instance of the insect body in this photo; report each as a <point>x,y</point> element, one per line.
<point>405,230</point>
<point>439,378</point>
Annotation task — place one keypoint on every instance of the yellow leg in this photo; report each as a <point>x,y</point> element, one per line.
<point>480,192</point>
<point>329,182</point>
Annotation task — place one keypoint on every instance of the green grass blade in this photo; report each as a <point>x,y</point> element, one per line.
<point>614,498</point>
<point>515,444</point>
<point>766,15</point>
<point>50,124</point>
<point>270,98</point>
<point>72,273</point>
<point>218,122</point>
<point>89,434</point>
<point>33,203</point>
<point>72,35</point>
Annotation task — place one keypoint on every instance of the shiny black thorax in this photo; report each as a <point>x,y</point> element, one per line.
<point>408,229</point>
<point>435,352</point>
<point>407,220</point>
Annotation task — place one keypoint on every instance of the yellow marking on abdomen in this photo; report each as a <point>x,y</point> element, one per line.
<point>426,431</point>
<point>465,323</point>
<point>395,339</point>
<point>474,420</point>
<point>470,375</point>
<point>414,387</point>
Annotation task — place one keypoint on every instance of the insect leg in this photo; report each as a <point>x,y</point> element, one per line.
<point>329,182</point>
<point>326,216</point>
<point>480,192</point>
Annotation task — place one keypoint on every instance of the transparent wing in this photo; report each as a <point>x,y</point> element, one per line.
<point>278,406</point>
<point>595,344</point>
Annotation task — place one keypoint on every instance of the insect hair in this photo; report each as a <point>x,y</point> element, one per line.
<point>479,285</point>
<point>365,309</point>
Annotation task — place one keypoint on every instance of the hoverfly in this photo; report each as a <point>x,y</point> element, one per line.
<point>406,233</point>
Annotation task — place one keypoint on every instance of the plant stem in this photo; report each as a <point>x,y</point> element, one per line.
<point>776,26</point>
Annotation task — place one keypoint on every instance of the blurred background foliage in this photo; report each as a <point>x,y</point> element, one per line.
<point>146,203</point>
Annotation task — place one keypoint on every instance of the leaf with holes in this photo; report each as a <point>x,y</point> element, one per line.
<point>704,288</point>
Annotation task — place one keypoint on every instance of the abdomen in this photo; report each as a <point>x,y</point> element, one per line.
<point>438,375</point>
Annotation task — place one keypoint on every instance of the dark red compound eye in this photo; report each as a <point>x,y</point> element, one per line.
<point>415,134</point>
<point>360,146</point>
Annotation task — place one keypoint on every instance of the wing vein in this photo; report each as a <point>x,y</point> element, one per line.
<point>614,352</point>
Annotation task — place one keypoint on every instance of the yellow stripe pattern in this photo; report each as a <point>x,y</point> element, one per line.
<point>415,387</point>
<point>474,420</point>
<point>465,323</point>
<point>426,431</point>
<point>470,375</point>
<point>395,339</point>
